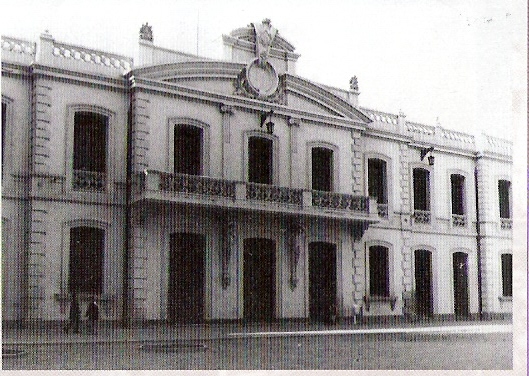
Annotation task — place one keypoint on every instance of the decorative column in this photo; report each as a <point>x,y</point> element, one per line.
<point>293,125</point>
<point>226,112</point>
<point>357,150</point>
<point>229,247</point>
<point>359,272</point>
<point>296,241</point>
<point>138,272</point>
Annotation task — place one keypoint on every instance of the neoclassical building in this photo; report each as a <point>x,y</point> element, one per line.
<point>175,187</point>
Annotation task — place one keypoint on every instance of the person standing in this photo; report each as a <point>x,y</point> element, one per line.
<point>92,313</point>
<point>75,315</point>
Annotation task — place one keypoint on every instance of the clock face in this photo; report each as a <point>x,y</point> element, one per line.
<point>263,79</point>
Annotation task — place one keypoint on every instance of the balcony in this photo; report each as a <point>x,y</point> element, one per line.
<point>88,181</point>
<point>506,223</point>
<point>162,187</point>
<point>459,220</point>
<point>422,217</point>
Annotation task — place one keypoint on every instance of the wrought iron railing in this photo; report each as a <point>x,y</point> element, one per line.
<point>272,193</point>
<point>194,184</point>
<point>422,216</point>
<point>382,210</point>
<point>342,201</point>
<point>459,220</point>
<point>506,223</point>
<point>89,180</point>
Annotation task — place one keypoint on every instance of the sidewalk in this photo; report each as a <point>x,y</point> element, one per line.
<point>210,331</point>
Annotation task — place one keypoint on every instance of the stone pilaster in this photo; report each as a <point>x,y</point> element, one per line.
<point>293,125</point>
<point>41,118</point>
<point>404,178</point>
<point>406,265</point>
<point>36,260</point>
<point>357,152</point>
<point>226,112</point>
<point>359,266</point>
<point>140,131</point>
<point>138,273</point>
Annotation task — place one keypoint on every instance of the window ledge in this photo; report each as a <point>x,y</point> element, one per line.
<point>505,298</point>
<point>392,300</point>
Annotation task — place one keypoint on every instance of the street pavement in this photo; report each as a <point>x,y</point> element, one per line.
<point>211,331</point>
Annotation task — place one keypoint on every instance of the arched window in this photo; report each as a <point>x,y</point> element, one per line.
<point>87,246</point>
<point>188,148</point>
<point>260,160</point>
<point>90,151</point>
<point>322,169</point>
<point>379,271</point>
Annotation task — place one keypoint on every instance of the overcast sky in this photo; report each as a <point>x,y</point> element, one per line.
<point>460,61</point>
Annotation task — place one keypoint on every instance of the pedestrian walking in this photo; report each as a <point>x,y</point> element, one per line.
<point>75,315</point>
<point>92,313</point>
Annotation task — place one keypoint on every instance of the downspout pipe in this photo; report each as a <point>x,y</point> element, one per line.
<point>478,244</point>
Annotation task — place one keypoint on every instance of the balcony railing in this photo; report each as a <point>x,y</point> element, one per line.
<point>422,216</point>
<point>272,193</point>
<point>506,223</point>
<point>89,180</point>
<point>382,210</point>
<point>200,185</point>
<point>206,191</point>
<point>459,220</point>
<point>340,201</point>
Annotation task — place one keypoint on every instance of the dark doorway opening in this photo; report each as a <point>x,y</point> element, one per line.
<point>423,282</point>
<point>187,150</point>
<point>322,280</point>
<point>87,245</point>
<point>90,142</point>
<point>260,160</point>
<point>259,279</point>
<point>186,278</point>
<point>461,304</point>
<point>322,168</point>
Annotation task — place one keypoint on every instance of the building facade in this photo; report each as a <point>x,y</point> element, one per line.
<point>177,188</point>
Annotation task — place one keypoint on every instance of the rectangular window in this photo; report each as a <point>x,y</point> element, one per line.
<point>90,142</point>
<point>4,121</point>
<point>457,183</point>
<point>86,260</point>
<point>322,168</point>
<point>260,160</point>
<point>377,183</point>
<point>506,273</point>
<point>378,271</point>
<point>421,189</point>
<point>187,150</point>
<point>504,192</point>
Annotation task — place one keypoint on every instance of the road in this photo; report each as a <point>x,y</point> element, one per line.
<point>359,351</point>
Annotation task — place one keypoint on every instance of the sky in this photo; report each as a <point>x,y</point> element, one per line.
<point>459,63</point>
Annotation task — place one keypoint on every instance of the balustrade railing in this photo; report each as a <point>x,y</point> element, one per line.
<point>382,210</point>
<point>196,185</point>
<point>88,180</point>
<point>422,216</point>
<point>19,46</point>
<point>91,56</point>
<point>271,193</point>
<point>459,220</point>
<point>333,200</point>
<point>506,223</point>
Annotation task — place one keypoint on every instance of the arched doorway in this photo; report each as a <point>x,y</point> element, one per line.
<point>186,278</point>
<point>322,280</point>
<point>460,266</point>
<point>259,279</point>
<point>423,282</point>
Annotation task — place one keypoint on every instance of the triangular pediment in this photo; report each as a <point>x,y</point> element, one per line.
<point>219,77</point>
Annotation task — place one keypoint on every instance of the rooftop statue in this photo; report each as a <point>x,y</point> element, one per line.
<point>264,36</point>
<point>146,32</point>
<point>353,83</point>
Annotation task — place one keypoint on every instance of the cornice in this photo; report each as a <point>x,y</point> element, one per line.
<point>86,79</point>
<point>244,103</point>
<point>15,70</point>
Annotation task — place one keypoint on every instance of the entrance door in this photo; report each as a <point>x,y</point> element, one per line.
<point>423,282</point>
<point>259,279</point>
<point>186,278</point>
<point>460,284</point>
<point>322,280</point>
